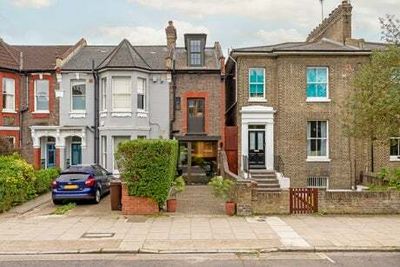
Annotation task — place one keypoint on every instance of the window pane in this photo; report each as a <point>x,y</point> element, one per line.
<point>78,103</point>
<point>260,89</point>
<point>260,75</point>
<point>42,103</point>
<point>140,101</point>
<point>321,90</point>
<point>260,141</point>
<point>311,75</point>
<point>42,94</point>
<point>121,93</point>
<point>311,90</point>
<point>394,147</point>
<point>322,148</point>
<point>252,140</point>
<point>322,129</point>
<point>322,75</point>
<point>195,59</point>
<point>253,75</point>
<point>253,88</point>
<point>195,46</point>
<point>79,89</point>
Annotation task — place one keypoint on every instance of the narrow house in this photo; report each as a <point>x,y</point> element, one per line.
<point>197,102</point>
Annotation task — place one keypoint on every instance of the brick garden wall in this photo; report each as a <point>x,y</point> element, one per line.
<point>137,205</point>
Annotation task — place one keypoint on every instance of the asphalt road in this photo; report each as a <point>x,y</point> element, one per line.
<point>365,259</point>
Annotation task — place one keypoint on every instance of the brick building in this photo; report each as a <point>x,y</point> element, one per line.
<point>287,99</point>
<point>196,102</point>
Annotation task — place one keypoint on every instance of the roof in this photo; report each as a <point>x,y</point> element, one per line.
<point>324,45</point>
<point>122,56</point>
<point>41,57</point>
<point>9,57</point>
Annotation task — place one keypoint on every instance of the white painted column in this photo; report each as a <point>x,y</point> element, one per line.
<point>245,142</point>
<point>269,146</point>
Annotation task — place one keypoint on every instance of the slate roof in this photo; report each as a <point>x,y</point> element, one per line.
<point>38,57</point>
<point>323,45</point>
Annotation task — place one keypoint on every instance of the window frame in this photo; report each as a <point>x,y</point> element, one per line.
<point>48,96</point>
<point>139,80</point>
<point>4,92</point>
<point>123,110</point>
<point>72,96</point>
<point>394,157</point>
<point>104,151</point>
<point>314,98</point>
<point>257,98</point>
<point>191,52</point>
<point>324,158</point>
<point>103,95</point>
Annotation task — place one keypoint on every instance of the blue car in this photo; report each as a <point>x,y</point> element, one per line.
<point>81,182</point>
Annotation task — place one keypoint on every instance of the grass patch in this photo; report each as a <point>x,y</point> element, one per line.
<point>64,209</point>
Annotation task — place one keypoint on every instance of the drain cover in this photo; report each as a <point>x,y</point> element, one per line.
<point>97,235</point>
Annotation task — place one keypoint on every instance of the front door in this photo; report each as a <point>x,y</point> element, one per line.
<point>196,115</point>
<point>257,149</point>
<point>51,155</point>
<point>76,154</point>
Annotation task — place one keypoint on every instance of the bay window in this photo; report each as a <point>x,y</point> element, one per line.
<point>141,94</point>
<point>121,94</point>
<point>8,94</point>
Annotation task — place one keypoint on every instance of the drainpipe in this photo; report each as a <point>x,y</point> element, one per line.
<point>23,109</point>
<point>173,78</point>
<point>96,114</point>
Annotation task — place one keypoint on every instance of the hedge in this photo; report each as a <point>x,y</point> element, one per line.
<point>19,182</point>
<point>148,167</point>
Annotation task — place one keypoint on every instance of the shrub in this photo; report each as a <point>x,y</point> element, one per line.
<point>391,177</point>
<point>178,185</point>
<point>6,148</point>
<point>148,167</point>
<point>44,178</point>
<point>222,188</point>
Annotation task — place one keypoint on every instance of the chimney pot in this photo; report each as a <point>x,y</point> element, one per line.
<point>171,34</point>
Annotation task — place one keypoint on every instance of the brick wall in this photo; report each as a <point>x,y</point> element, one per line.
<point>132,205</point>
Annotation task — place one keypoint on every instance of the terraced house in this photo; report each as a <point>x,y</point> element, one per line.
<point>286,101</point>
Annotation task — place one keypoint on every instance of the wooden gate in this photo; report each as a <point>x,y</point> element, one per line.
<point>303,200</point>
<point>231,147</point>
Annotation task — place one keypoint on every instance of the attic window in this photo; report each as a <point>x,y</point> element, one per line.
<point>195,53</point>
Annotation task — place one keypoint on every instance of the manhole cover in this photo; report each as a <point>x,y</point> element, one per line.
<point>97,235</point>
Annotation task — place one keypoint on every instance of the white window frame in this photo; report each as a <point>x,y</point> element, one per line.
<point>121,110</point>
<point>113,150</point>
<point>48,96</point>
<point>5,92</point>
<point>74,82</point>
<point>103,89</point>
<point>393,157</point>
<point>104,151</point>
<point>318,99</point>
<point>144,80</point>
<point>318,158</point>
<point>256,99</point>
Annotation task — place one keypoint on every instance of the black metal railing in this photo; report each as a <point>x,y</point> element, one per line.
<point>279,165</point>
<point>245,163</point>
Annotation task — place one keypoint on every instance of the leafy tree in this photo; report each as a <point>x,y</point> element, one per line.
<point>373,109</point>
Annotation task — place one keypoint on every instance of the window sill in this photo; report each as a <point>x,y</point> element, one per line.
<point>257,100</point>
<point>142,113</point>
<point>9,111</point>
<point>318,100</point>
<point>103,113</point>
<point>77,114</point>
<point>121,114</point>
<point>318,159</point>
<point>394,158</point>
<point>41,112</point>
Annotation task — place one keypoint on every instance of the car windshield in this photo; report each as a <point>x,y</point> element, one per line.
<point>73,176</point>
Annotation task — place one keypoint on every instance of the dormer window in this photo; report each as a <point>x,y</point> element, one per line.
<point>195,52</point>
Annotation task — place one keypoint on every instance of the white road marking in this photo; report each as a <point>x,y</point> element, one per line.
<point>324,256</point>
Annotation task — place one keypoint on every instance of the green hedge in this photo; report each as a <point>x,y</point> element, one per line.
<point>19,182</point>
<point>148,167</point>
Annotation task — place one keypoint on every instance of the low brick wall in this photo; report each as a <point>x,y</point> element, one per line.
<point>271,203</point>
<point>132,205</point>
<point>342,202</point>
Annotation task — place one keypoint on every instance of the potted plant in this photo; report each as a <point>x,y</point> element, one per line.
<point>222,188</point>
<point>177,186</point>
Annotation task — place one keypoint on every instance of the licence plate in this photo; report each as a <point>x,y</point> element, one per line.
<point>71,186</point>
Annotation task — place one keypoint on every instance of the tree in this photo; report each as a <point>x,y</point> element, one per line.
<point>373,109</point>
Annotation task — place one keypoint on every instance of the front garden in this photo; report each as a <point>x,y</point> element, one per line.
<point>19,182</point>
<point>386,179</point>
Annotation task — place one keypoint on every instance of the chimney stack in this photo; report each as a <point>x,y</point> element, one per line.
<point>171,35</point>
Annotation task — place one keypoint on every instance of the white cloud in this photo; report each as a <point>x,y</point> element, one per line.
<point>142,35</point>
<point>33,3</point>
<point>279,36</point>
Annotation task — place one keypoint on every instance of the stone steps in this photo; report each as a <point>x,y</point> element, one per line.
<point>266,180</point>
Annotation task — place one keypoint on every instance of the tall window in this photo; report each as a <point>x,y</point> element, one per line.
<point>317,83</point>
<point>103,88</point>
<point>41,95</point>
<point>141,99</point>
<point>8,94</point>
<point>121,94</point>
<point>104,151</point>
<point>195,52</point>
<point>317,139</point>
<point>395,148</point>
<point>116,141</point>
<point>257,83</point>
<point>78,95</point>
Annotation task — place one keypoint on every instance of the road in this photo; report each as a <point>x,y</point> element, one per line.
<point>355,259</point>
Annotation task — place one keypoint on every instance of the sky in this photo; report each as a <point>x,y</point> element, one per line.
<point>234,23</point>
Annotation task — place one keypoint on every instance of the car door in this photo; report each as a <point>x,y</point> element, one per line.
<point>108,176</point>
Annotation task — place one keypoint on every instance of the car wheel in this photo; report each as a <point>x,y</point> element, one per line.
<point>57,202</point>
<point>97,196</point>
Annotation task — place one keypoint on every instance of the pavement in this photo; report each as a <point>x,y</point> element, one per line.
<point>88,228</point>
